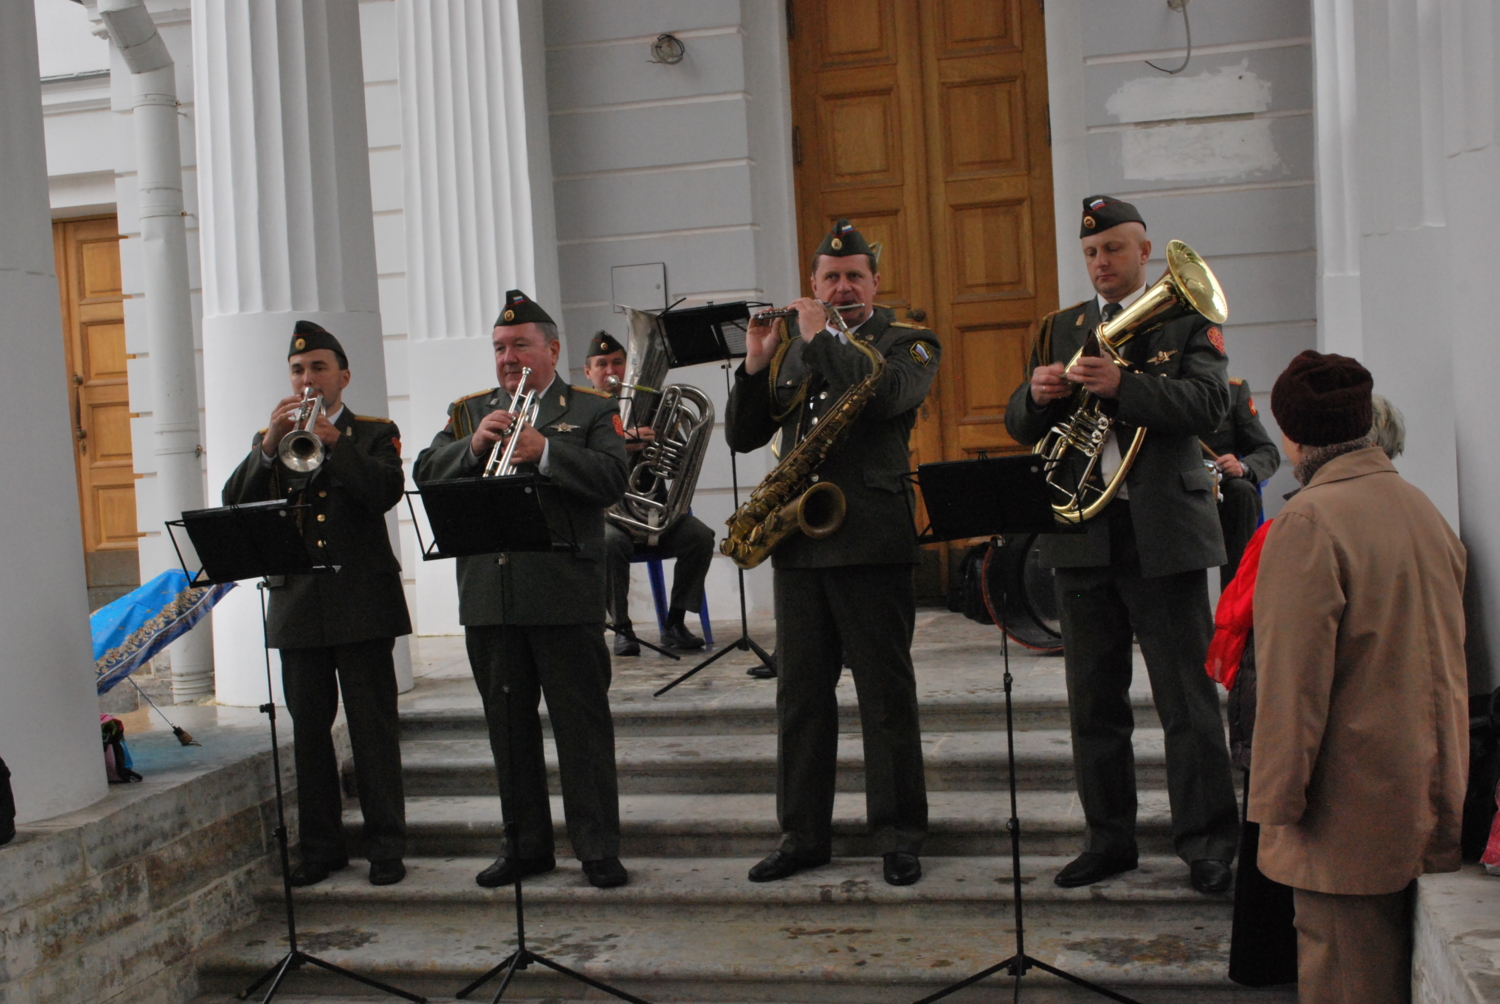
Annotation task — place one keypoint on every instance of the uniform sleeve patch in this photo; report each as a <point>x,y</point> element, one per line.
<point>1251,401</point>
<point>1216,339</point>
<point>921,353</point>
<point>619,424</point>
<point>396,442</point>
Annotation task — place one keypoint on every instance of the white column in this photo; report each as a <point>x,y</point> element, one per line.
<point>286,234</point>
<point>476,217</point>
<point>49,724</point>
<point>1340,313</point>
<point>168,308</point>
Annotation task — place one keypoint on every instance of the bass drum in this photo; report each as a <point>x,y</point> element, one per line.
<point>1015,580</point>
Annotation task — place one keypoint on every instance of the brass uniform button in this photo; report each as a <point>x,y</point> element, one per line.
<point>321,518</point>
<point>322,495</point>
<point>322,544</point>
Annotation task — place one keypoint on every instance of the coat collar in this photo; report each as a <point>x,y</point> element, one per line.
<point>1370,460</point>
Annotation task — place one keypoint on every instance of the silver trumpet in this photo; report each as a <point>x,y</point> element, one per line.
<point>834,310</point>
<point>523,405</point>
<point>301,450</point>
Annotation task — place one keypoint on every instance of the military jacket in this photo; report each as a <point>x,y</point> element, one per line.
<point>344,525</point>
<point>1177,391</point>
<point>586,460</point>
<point>872,461</point>
<point>1242,434</point>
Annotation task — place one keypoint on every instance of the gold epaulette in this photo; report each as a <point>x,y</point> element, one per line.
<point>371,418</point>
<point>264,431</point>
<point>1235,381</point>
<point>470,397</point>
<point>907,324</point>
<point>590,390</point>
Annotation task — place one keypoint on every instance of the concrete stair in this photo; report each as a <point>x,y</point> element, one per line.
<point>698,809</point>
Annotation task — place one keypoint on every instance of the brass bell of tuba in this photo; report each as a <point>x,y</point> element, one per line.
<point>301,450</point>
<point>1187,287</point>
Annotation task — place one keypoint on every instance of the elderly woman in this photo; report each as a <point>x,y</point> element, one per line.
<point>1361,709</point>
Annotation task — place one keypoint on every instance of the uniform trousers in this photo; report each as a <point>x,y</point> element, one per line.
<point>1100,609</point>
<point>568,665</point>
<point>689,541</point>
<point>1239,514</point>
<point>864,613</point>
<point>365,674</point>
<point>1353,949</point>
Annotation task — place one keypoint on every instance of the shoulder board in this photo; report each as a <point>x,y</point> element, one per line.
<point>372,418</point>
<point>590,390</point>
<point>264,431</point>
<point>470,397</point>
<point>1235,381</point>
<point>907,324</point>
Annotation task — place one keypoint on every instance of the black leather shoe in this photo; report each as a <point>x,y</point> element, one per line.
<point>387,872</point>
<point>902,868</point>
<point>313,872</point>
<point>1088,868</point>
<point>606,873</point>
<point>780,865</point>
<point>503,871</point>
<point>1209,875</point>
<point>679,637</point>
<point>625,644</point>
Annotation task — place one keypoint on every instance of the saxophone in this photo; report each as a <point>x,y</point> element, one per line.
<point>791,497</point>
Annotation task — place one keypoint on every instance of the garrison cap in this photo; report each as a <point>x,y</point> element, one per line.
<point>521,309</point>
<point>602,344</point>
<point>308,337</point>
<point>843,240</point>
<point>1100,212</point>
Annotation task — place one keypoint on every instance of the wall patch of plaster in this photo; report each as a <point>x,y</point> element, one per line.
<point>1228,90</point>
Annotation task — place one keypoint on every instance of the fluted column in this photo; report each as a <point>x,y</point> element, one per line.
<point>49,724</point>
<point>477,209</point>
<point>284,205</point>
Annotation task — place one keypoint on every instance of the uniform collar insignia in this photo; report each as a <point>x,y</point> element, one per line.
<point>1161,357</point>
<point>565,427</point>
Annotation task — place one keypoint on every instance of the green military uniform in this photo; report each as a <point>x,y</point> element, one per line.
<point>1140,569</point>
<point>1241,434</point>
<point>533,621</point>
<point>848,595</point>
<point>336,631</point>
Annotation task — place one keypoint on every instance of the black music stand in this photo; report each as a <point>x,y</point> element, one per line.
<point>501,516</point>
<point>714,333</point>
<point>260,540</point>
<point>994,496</point>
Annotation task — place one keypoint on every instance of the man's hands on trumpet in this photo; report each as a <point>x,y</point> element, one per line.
<point>495,426</point>
<point>284,420</point>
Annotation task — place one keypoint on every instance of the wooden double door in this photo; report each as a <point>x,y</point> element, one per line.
<point>93,314</point>
<point>924,122</point>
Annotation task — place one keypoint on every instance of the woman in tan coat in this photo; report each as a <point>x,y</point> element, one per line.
<point>1361,738</point>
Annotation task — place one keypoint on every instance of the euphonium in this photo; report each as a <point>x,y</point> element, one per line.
<point>1187,287</point>
<point>791,498</point>
<point>523,405</point>
<point>301,450</point>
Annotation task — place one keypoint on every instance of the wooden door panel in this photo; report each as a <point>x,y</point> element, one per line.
<point>98,274</point>
<point>990,360</point>
<point>865,131</point>
<point>103,351</point>
<point>855,32</point>
<point>983,124</point>
<point>992,251</point>
<point>970,26</point>
<point>115,509</point>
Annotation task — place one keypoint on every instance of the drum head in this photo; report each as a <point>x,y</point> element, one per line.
<point>1021,592</point>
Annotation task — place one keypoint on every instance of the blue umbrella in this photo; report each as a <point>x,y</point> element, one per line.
<point>132,629</point>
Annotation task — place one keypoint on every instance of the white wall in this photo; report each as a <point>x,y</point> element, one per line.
<point>1220,156</point>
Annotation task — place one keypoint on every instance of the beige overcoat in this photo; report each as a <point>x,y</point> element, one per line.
<point>1361,737</point>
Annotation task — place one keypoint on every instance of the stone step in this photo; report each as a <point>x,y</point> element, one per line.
<point>960,823</point>
<point>837,934</point>
<point>737,764</point>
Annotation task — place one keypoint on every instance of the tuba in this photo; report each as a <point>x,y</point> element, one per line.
<point>301,450</point>
<point>1187,287</point>
<point>664,474</point>
<point>791,497</point>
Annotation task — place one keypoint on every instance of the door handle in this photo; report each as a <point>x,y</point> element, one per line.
<point>79,432</point>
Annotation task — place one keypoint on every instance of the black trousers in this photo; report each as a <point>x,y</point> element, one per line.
<point>823,615</point>
<point>569,666</point>
<point>1262,940</point>
<point>689,541</point>
<point>1101,608</point>
<point>1239,514</point>
<point>365,674</point>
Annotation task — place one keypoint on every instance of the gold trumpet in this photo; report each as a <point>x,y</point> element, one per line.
<point>301,450</point>
<point>524,406</point>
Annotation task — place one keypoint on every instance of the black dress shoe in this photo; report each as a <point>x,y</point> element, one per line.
<point>1209,875</point>
<point>761,671</point>
<point>780,865</point>
<point>679,637</point>
<point>902,868</point>
<point>625,644</point>
<point>313,872</point>
<point>387,872</point>
<point>606,873</point>
<point>1088,868</point>
<point>503,871</point>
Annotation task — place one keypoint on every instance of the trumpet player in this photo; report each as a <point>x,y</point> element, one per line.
<point>533,621</point>
<point>688,539</point>
<point>850,592</point>
<point>336,633</point>
<point>1141,567</point>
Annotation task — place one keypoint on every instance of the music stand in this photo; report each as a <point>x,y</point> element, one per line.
<point>260,540</point>
<point>500,516</point>
<point>714,333</point>
<point>994,496</point>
